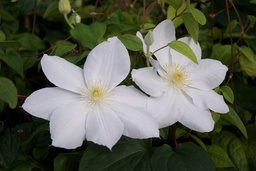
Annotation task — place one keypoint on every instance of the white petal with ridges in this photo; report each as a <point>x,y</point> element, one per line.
<point>130,96</point>
<point>63,73</point>
<point>139,35</point>
<point>164,56</point>
<point>209,74</point>
<point>208,99</point>
<point>43,102</point>
<point>148,80</point>
<point>103,126</point>
<point>67,125</point>
<point>108,62</point>
<point>196,118</point>
<point>138,123</point>
<point>163,34</point>
<point>167,108</point>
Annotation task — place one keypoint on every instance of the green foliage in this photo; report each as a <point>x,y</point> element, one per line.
<point>128,154</point>
<point>185,157</point>
<point>234,148</point>
<point>219,156</point>
<point>131,42</point>
<point>9,146</point>
<point>191,25</point>
<point>8,92</point>
<point>89,36</point>
<point>227,93</point>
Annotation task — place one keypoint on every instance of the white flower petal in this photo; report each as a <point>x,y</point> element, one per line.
<point>103,127</point>
<point>148,80</point>
<point>209,75</point>
<point>130,96</point>
<point>166,109</point>
<point>138,123</point>
<point>208,99</point>
<point>139,35</point>
<point>62,73</point>
<point>154,63</point>
<point>196,118</point>
<point>43,102</point>
<point>164,56</point>
<point>108,62</point>
<point>163,34</point>
<point>67,125</point>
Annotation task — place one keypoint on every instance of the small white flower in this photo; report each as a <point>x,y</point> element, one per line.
<point>88,104</point>
<point>180,90</point>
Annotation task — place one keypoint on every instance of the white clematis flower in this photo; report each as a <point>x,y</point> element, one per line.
<point>180,90</point>
<point>88,104</point>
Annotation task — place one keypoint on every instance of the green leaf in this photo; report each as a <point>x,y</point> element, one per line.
<point>39,129</point>
<point>250,146</point>
<point>10,44</point>
<point>67,161</point>
<point>234,119</point>
<point>237,154</point>
<point>6,15</point>
<point>186,157</point>
<point>227,93</point>
<point>172,13</point>
<point>52,12</point>
<point>30,42</point>
<point>194,157</point>
<point>219,156</point>
<point>198,15</point>
<point>174,3</point>
<point>9,146</point>
<point>253,1</point>
<point>8,92</point>
<point>131,42</point>
<point>198,140</point>
<point>164,159</point>
<point>2,36</point>
<point>126,155</point>
<point>247,61</point>
<point>184,49</point>
<point>13,60</point>
<point>40,154</point>
<point>89,36</point>
<point>62,48</point>
<point>191,25</point>
<point>222,53</point>
<point>234,148</point>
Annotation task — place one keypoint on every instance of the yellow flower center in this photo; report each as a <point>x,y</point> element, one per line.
<point>177,77</point>
<point>96,93</point>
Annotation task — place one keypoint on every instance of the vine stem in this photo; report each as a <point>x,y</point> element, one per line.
<point>231,43</point>
<point>66,19</point>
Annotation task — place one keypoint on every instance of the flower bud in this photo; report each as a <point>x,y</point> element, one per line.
<point>149,39</point>
<point>64,6</point>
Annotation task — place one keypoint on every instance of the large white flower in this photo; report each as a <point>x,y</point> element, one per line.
<point>88,104</point>
<point>180,90</point>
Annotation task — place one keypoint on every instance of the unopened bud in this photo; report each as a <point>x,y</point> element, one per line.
<point>74,18</point>
<point>149,39</point>
<point>64,6</point>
